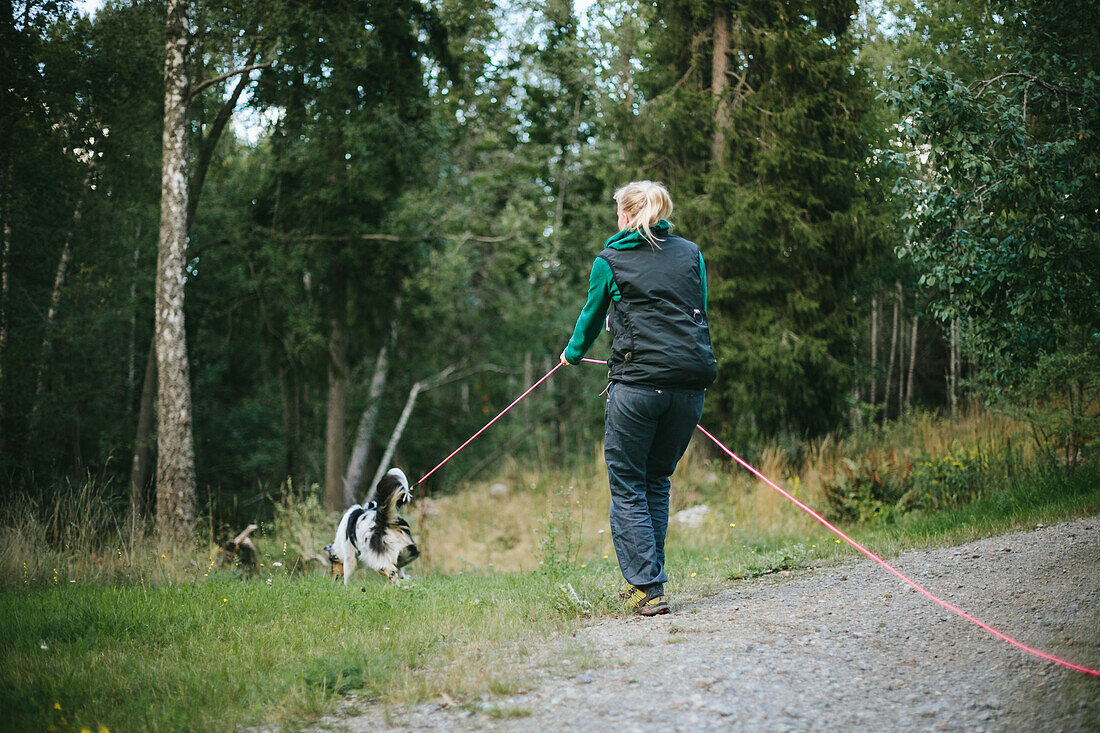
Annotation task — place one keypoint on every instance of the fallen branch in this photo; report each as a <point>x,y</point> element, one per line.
<point>240,551</point>
<point>448,375</point>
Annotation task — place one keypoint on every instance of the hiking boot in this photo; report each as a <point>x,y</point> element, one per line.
<point>644,603</point>
<point>652,604</point>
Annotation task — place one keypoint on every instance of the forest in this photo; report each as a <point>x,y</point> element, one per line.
<point>267,246</point>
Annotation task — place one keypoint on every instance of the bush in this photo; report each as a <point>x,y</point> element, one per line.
<point>949,481</point>
<point>864,490</point>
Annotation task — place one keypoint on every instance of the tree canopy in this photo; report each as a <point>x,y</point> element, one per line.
<point>396,205</point>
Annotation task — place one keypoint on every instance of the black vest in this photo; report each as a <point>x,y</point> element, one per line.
<point>659,330</point>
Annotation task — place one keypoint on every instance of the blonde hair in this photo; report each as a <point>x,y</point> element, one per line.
<point>645,203</point>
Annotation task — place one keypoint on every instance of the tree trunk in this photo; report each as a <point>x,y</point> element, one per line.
<point>141,465</point>
<point>291,438</point>
<point>528,378</point>
<point>184,195</point>
<point>855,413</point>
<point>912,363</point>
<point>5,253</point>
<point>953,366</point>
<point>361,450</point>
<point>335,413</point>
<point>55,302</point>
<point>210,142</point>
<point>175,442</point>
<point>719,82</point>
<point>893,356</point>
<point>874,351</point>
<point>901,352</point>
<point>131,351</point>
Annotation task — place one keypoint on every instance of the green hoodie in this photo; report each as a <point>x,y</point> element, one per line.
<point>602,290</point>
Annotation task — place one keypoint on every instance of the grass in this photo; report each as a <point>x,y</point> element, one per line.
<point>120,634</point>
<point>223,653</point>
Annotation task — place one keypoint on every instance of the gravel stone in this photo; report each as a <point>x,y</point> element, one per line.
<point>838,648</point>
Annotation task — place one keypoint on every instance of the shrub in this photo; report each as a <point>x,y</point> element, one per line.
<point>864,490</point>
<point>949,481</point>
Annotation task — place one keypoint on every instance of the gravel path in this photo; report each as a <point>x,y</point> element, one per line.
<point>848,648</point>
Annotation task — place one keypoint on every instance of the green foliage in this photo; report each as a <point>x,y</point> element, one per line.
<point>1003,226</point>
<point>1057,396</point>
<point>447,167</point>
<point>950,480</point>
<point>877,492</point>
<point>864,491</point>
<point>559,545</point>
<point>777,207</point>
<point>300,525</point>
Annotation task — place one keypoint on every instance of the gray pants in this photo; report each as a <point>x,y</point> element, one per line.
<point>646,431</point>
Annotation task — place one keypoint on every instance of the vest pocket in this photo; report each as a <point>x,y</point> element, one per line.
<point>622,335</point>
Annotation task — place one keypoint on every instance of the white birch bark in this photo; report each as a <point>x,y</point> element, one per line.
<point>357,464</point>
<point>893,357</point>
<point>391,447</point>
<point>912,363</point>
<point>175,442</point>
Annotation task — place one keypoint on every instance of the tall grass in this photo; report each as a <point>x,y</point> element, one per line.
<point>106,627</point>
<point>500,523</point>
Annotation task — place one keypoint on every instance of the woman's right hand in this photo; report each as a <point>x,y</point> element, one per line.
<point>562,359</point>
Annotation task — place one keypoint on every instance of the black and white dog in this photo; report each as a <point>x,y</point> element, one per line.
<point>375,533</point>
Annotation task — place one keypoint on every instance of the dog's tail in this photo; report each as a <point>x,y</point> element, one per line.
<point>393,490</point>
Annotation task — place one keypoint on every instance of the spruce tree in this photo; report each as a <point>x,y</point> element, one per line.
<point>756,116</point>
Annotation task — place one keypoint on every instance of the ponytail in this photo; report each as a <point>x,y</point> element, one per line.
<point>645,203</point>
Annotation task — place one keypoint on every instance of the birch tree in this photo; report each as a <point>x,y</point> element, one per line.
<point>175,441</point>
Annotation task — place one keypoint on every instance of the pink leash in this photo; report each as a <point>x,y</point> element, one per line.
<point>883,563</point>
<point>499,415</point>
<point>894,571</point>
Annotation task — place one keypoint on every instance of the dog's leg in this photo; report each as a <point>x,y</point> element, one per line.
<point>349,568</point>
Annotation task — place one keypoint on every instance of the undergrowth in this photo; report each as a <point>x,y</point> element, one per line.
<point>109,628</point>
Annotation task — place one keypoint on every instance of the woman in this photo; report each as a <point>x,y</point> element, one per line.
<point>655,285</point>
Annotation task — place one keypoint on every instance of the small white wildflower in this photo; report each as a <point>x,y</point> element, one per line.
<point>276,564</point>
